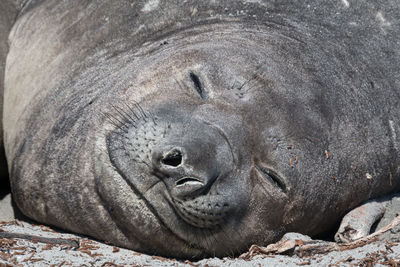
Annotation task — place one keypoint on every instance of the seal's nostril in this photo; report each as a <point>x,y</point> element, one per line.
<point>173,158</point>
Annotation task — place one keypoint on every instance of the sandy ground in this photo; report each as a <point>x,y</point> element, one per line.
<point>36,245</point>
<point>25,244</point>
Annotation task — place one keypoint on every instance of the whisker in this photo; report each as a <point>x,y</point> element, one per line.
<point>141,110</point>
<point>124,116</point>
<point>116,122</point>
<point>142,117</point>
<point>131,110</point>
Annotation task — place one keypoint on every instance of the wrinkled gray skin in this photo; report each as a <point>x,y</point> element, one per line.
<point>198,128</point>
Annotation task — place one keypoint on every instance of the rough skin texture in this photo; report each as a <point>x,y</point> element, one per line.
<point>8,14</point>
<point>275,116</point>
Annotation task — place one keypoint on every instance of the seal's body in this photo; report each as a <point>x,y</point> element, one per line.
<point>201,128</point>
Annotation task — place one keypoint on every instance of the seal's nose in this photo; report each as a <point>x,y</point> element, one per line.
<point>184,172</point>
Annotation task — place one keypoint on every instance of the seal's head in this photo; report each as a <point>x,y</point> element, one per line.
<point>199,161</point>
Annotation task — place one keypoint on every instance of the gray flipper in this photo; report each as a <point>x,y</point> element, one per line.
<point>358,222</point>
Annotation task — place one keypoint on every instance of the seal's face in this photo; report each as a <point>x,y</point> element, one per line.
<point>200,153</point>
<point>190,158</point>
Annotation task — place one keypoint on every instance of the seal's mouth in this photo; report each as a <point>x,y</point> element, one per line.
<point>188,187</point>
<point>189,181</point>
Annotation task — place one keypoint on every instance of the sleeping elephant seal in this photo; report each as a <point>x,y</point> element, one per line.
<point>198,129</point>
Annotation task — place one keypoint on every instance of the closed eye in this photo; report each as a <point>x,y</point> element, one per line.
<point>198,85</point>
<point>272,177</point>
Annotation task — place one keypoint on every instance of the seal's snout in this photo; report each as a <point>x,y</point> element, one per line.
<point>186,171</point>
<point>194,161</point>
